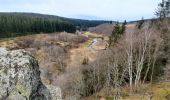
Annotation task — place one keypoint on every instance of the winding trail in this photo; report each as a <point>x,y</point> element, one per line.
<point>90,51</point>
<point>93,42</point>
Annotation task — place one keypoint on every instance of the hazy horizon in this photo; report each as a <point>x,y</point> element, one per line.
<point>115,10</point>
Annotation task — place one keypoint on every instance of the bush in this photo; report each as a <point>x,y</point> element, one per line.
<point>85,61</point>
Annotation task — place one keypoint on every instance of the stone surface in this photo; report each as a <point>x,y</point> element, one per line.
<point>55,92</point>
<point>20,78</point>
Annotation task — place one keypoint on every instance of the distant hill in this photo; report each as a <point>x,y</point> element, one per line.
<point>102,29</point>
<point>107,28</point>
<point>76,22</point>
<point>35,23</point>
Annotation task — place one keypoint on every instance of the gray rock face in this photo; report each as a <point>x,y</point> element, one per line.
<point>20,77</point>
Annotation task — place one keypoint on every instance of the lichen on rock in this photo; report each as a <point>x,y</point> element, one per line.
<point>20,77</point>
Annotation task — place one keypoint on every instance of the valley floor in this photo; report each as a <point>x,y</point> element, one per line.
<point>90,48</point>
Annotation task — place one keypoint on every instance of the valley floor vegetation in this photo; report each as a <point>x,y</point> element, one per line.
<point>135,59</point>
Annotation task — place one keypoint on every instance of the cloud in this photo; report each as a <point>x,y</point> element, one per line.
<point>88,9</point>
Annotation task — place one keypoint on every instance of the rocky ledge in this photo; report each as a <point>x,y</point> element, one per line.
<point>20,78</point>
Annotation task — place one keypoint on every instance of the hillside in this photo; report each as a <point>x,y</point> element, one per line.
<point>105,28</point>
<point>59,55</point>
<point>76,22</point>
<point>12,23</point>
<point>85,67</point>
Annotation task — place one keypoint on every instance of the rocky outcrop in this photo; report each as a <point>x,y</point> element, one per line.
<point>20,78</point>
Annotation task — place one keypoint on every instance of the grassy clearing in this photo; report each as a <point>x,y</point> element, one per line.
<point>92,35</point>
<point>156,91</point>
<point>160,90</point>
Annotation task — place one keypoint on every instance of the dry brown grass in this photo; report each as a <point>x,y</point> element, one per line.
<point>51,50</point>
<point>105,29</point>
<point>157,91</point>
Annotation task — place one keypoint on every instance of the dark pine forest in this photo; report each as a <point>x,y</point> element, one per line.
<point>16,24</point>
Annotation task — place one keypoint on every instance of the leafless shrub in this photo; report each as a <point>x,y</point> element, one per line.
<point>71,38</point>
<point>25,42</point>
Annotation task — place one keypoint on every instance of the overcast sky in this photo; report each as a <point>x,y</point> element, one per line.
<point>117,10</point>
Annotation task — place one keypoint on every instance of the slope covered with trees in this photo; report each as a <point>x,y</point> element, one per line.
<point>75,22</point>
<point>26,23</point>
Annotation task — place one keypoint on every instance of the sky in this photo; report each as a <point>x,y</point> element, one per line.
<point>116,10</point>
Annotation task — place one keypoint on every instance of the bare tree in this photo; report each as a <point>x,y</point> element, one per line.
<point>139,51</point>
